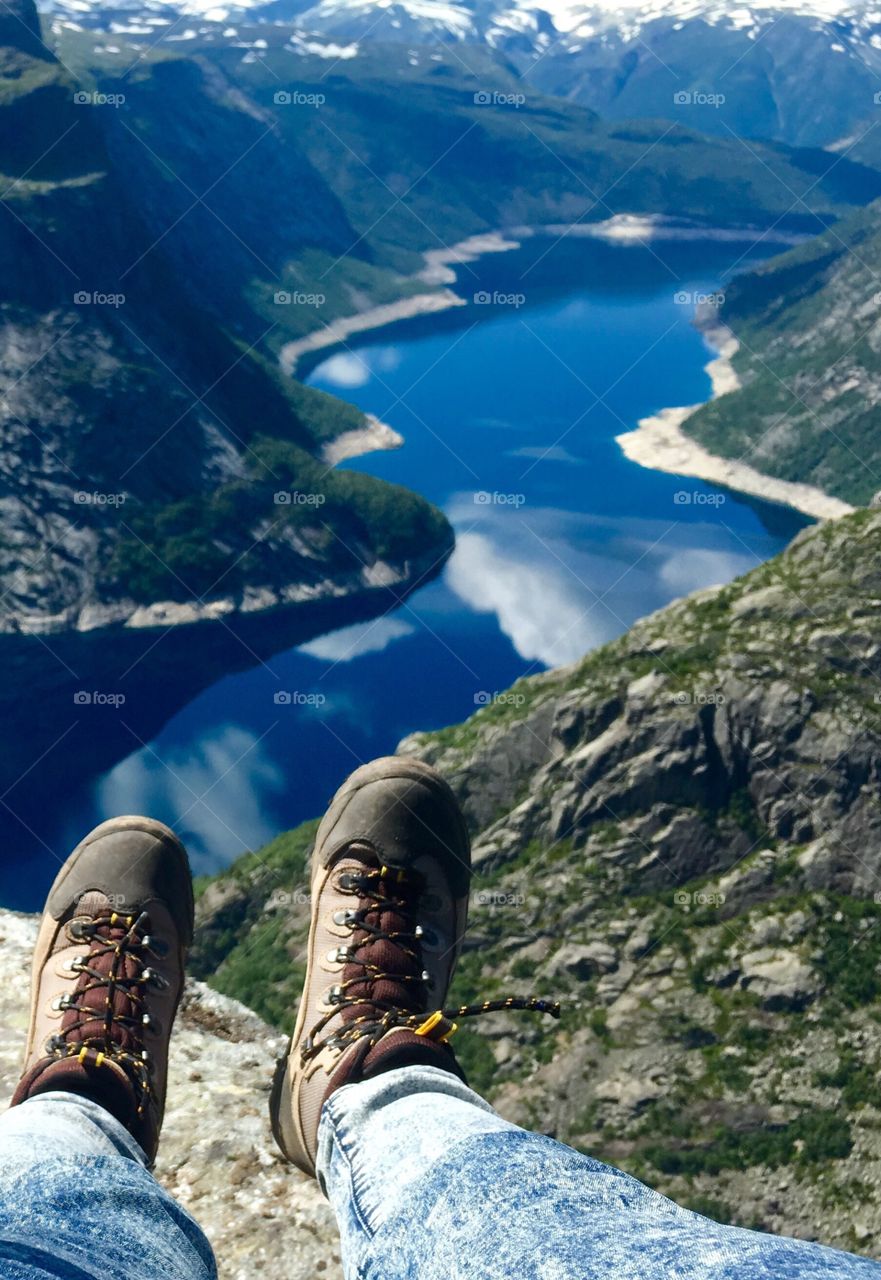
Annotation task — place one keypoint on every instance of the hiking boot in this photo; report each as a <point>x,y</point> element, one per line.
<point>391,870</point>
<point>108,973</point>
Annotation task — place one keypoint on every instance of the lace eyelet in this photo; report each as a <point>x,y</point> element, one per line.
<point>156,945</point>
<point>80,929</point>
<point>343,917</point>
<point>334,995</point>
<point>154,979</point>
<point>339,955</point>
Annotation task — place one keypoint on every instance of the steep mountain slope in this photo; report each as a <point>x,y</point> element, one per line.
<point>801,71</point>
<point>142,445</point>
<point>809,364</point>
<point>680,836</point>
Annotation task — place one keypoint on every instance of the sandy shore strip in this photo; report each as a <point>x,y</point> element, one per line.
<point>635,228</point>
<point>420,304</point>
<point>373,436</point>
<point>660,444</point>
<point>439,263</point>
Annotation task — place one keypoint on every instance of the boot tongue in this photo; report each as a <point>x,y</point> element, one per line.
<point>386,955</point>
<point>108,994</point>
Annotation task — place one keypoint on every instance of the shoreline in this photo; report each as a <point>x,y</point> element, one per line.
<point>438,270</point>
<point>659,443</point>
<point>375,436</point>
<point>439,264</point>
<point>636,228</point>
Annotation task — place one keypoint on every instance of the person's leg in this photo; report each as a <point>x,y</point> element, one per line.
<point>77,1200</point>
<point>427,1181</point>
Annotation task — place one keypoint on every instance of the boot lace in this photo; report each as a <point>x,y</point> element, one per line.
<point>112,1030</point>
<point>398,892</point>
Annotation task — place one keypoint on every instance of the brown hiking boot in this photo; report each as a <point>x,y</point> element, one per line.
<point>108,973</point>
<point>391,871</point>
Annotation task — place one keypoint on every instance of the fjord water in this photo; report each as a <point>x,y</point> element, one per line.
<point>509,408</point>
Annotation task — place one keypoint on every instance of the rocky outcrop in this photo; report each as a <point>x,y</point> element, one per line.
<point>217,1155</point>
<point>683,840</point>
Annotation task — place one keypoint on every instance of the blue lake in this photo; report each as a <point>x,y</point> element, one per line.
<point>509,413</point>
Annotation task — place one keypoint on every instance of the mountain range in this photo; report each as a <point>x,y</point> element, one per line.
<point>804,72</point>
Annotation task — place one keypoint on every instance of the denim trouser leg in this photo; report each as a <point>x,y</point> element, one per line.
<point>427,1181</point>
<point>78,1203</point>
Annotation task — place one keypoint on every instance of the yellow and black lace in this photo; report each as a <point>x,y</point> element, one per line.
<point>383,1016</point>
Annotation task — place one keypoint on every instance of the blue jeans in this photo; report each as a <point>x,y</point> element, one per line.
<point>426,1180</point>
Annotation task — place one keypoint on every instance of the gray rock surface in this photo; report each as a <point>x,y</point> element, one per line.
<point>217,1155</point>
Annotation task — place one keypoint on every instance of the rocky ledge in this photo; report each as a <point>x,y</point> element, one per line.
<point>217,1157</point>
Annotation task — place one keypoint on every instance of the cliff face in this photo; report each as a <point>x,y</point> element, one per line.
<point>680,837</point>
<point>217,1154</point>
<point>151,456</point>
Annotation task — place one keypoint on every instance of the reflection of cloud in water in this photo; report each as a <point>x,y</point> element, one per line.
<point>561,583</point>
<point>213,793</point>
<point>346,369</point>
<point>356,368</point>
<point>538,610</point>
<point>352,642</point>
<point>695,567</point>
